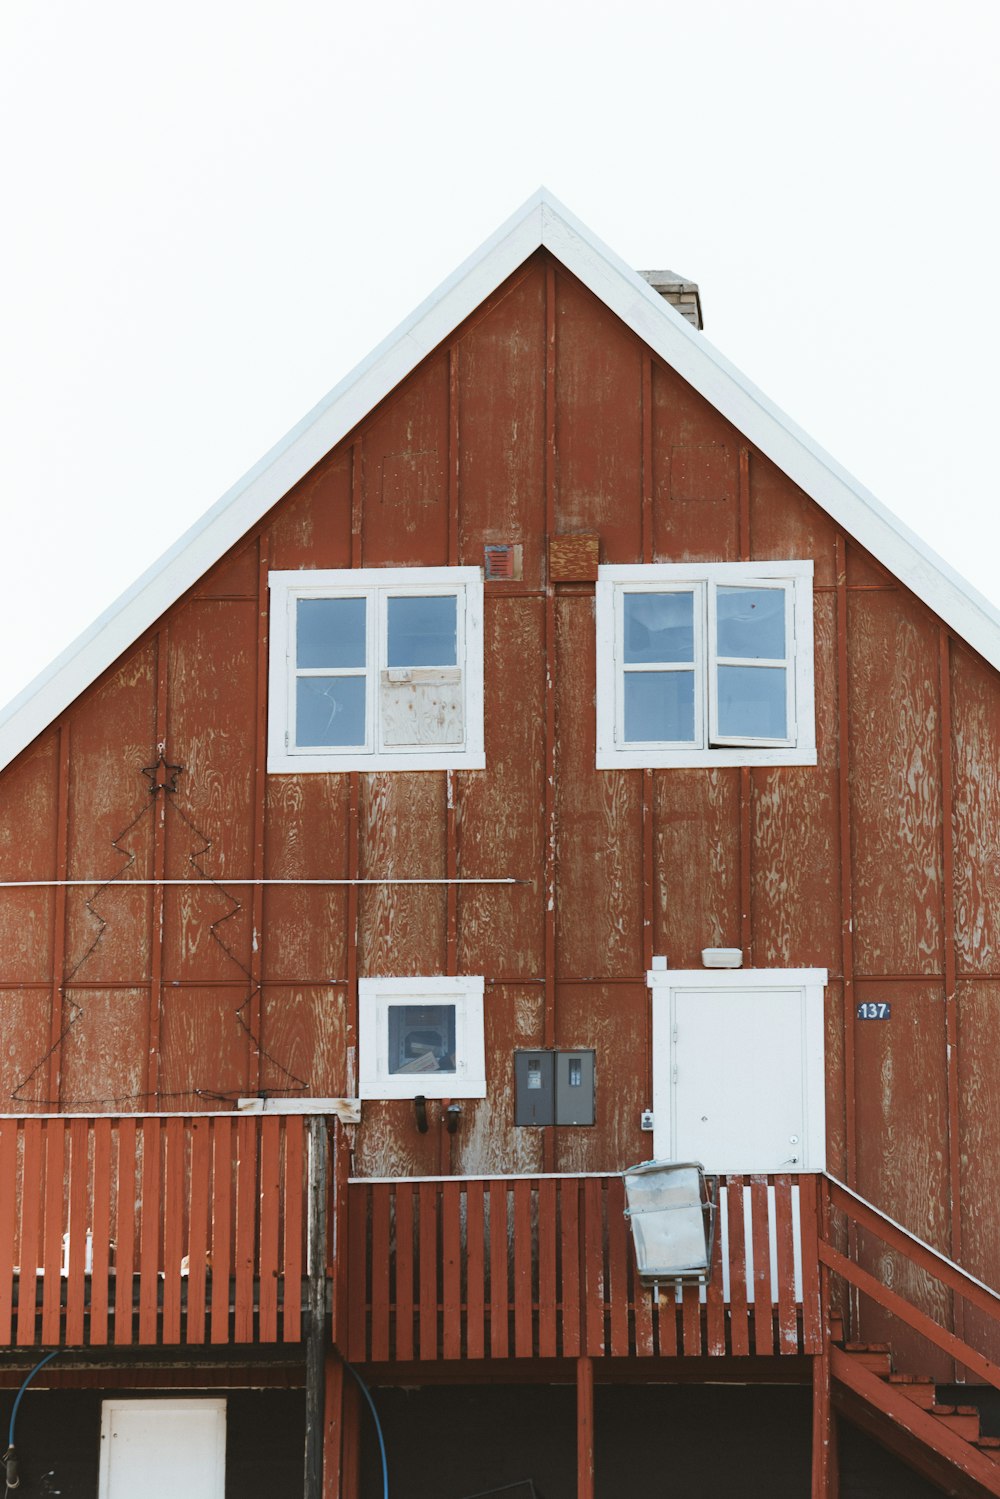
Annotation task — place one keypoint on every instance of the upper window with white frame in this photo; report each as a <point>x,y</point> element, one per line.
<point>705,664</point>
<point>376,669</point>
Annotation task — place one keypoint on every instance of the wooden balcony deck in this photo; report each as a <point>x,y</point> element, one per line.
<point>152,1230</point>
<point>542,1267</point>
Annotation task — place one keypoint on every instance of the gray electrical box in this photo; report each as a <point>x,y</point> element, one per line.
<point>574,1087</point>
<point>554,1087</point>
<point>534,1082</point>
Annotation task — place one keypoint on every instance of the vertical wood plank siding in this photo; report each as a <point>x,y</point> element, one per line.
<point>106,1226</point>
<point>557,1243</point>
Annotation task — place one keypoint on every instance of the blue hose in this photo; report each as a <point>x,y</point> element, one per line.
<point>13,1415</point>
<point>378,1425</point>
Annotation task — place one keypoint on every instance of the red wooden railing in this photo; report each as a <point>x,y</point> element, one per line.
<point>847,1220</point>
<point>151,1230</point>
<point>543,1267</point>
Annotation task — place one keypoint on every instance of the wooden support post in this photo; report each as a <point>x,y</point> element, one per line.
<point>825,1483</point>
<point>333,1424</point>
<point>350,1461</point>
<point>584,1428</point>
<point>316,1345</point>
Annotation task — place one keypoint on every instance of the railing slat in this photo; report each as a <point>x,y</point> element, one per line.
<point>101,1262</point>
<point>498,1269</point>
<point>8,1225</point>
<point>763,1320</point>
<point>642,1301</point>
<point>77,1245</point>
<point>618,1249</point>
<point>666,1322</point>
<point>451,1274</point>
<point>292,1227</point>
<point>222,1231</point>
<point>247,1137</point>
<point>569,1265</point>
<point>357,1234</point>
<point>812,1310</point>
<point>548,1215</point>
<point>198,1225</point>
<point>691,1321</point>
<point>715,1304</point>
<point>475,1270</point>
<point>52,1242</point>
<point>379,1279</point>
<point>149,1234</point>
<point>593,1267</point>
<point>427,1194</point>
<point>125,1216</point>
<point>270,1223</point>
<point>739,1325</point>
<point>788,1332</point>
<point>523,1256</point>
<point>405,1192</point>
<point>175,1172</point>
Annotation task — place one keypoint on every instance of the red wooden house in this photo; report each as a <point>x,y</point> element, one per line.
<point>365,878</point>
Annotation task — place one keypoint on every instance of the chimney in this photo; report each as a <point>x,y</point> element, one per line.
<point>679,293</point>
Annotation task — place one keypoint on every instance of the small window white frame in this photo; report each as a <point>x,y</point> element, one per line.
<point>376,996</point>
<point>707,746</point>
<point>376,586</point>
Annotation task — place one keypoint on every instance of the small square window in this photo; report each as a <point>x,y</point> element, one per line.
<point>705,665</point>
<point>376,669</point>
<point>422,1035</point>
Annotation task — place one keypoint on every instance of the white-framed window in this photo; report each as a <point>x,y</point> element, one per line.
<point>738,1068</point>
<point>705,664</point>
<point>421,1035</point>
<point>376,669</point>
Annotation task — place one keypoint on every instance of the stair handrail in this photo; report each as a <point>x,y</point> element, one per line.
<point>915,1238</point>
<point>953,1276</point>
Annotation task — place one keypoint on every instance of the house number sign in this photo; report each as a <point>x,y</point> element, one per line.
<point>872,1010</point>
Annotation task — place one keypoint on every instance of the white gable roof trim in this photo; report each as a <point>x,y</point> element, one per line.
<point>541,222</point>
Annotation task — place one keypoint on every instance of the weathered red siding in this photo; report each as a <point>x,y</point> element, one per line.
<point>542,414</point>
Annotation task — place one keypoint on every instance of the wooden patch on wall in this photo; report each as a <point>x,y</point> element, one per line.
<point>573,558</point>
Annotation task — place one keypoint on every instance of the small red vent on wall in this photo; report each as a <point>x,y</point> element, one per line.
<point>499,563</point>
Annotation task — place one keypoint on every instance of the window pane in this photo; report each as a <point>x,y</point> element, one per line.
<point>659,627</point>
<point>423,632</point>
<point>751,623</point>
<point>330,632</point>
<point>329,710</point>
<point>659,705</point>
<point>421,1038</point>
<point>752,702</point>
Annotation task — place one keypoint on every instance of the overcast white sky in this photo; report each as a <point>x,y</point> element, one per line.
<point>213,210</point>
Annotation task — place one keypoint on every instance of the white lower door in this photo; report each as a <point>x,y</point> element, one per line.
<point>157,1449</point>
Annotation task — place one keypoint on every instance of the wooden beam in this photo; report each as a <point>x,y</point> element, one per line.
<point>825,1483</point>
<point>584,1428</point>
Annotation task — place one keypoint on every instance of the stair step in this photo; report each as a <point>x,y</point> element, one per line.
<point>866,1347</point>
<point>919,1388</point>
<point>869,1358</point>
<point>989,1447</point>
<point>963,1420</point>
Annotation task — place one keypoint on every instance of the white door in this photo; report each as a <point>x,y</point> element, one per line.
<point>737,1071</point>
<point>161,1448</point>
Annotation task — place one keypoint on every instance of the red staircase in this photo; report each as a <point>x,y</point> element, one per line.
<point>943,1442</point>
